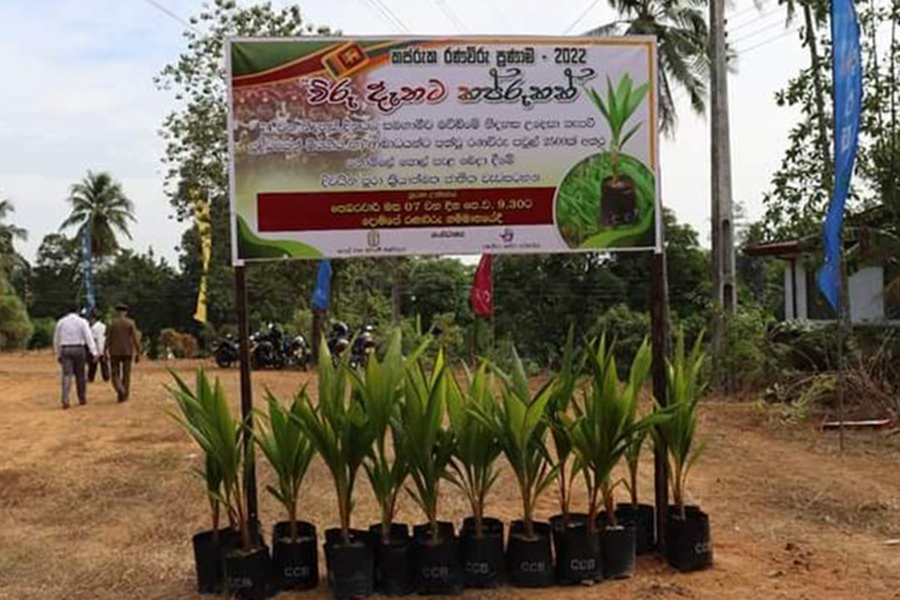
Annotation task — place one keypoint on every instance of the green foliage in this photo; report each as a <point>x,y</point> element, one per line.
<point>339,430</point>
<point>640,370</point>
<point>301,322</point>
<point>477,447</point>
<point>629,330</point>
<point>437,286</point>
<point>685,387</point>
<point>620,104</point>
<point>206,416</point>
<point>520,427</point>
<point>379,389</point>
<point>15,326</point>
<point>428,444</point>
<point>287,450</point>
<point>42,337</point>
<point>606,424</point>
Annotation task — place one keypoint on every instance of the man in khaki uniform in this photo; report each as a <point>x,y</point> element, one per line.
<point>122,346</point>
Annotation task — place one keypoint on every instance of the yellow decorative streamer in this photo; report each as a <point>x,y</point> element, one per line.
<point>204,228</point>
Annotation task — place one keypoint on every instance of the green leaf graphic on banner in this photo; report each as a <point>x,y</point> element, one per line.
<point>252,247</point>
<point>578,205</point>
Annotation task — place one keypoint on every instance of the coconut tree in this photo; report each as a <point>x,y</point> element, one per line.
<point>100,207</point>
<point>682,35</point>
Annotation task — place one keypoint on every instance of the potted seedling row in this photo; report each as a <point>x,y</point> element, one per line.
<point>429,448</point>
<point>521,430</point>
<point>475,456</point>
<point>295,555</point>
<point>341,434</point>
<point>688,543</point>
<point>206,416</point>
<point>603,426</point>
<point>379,388</point>
<point>577,548</point>
<point>618,199</point>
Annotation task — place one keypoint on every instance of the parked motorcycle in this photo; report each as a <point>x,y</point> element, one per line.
<point>227,352</point>
<point>267,348</point>
<point>338,340</point>
<point>363,346</point>
<point>298,352</point>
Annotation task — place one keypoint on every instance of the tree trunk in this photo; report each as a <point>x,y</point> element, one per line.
<point>815,63</point>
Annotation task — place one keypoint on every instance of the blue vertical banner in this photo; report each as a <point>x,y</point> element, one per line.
<point>86,268</point>
<point>321,297</point>
<point>847,70</point>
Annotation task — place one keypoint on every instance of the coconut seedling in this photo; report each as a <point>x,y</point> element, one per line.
<point>617,198</point>
<point>206,416</point>
<point>342,435</point>
<point>428,443</point>
<point>339,431</point>
<point>520,426</point>
<point>685,386</point>
<point>688,542</point>
<point>227,442</point>
<point>288,450</point>
<point>379,390</point>
<point>640,370</point>
<point>563,389</point>
<point>476,450</point>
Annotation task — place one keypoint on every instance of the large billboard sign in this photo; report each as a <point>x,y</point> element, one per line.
<point>382,147</point>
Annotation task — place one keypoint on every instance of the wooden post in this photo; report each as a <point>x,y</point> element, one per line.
<point>659,331</point>
<point>240,292</point>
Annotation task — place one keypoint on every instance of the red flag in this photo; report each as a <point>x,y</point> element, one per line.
<point>482,293</point>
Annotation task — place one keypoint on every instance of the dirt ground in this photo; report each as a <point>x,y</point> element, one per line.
<point>99,502</point>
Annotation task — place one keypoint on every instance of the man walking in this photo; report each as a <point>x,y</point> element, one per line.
<point>72,341</point>
<point>98,331</point>
<point>122,345</point>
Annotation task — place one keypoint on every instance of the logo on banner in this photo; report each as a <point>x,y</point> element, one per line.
<point>345,60</point>
<point>373,239</point>
<point>507,235</point>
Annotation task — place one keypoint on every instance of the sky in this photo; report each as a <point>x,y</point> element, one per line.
<point>78,95</point>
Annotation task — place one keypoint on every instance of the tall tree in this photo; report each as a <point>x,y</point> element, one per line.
<point>815,16</point>
<point>100,206</point>
<point>8,234</point>
<point>682,36</point>
<point>196,151</point>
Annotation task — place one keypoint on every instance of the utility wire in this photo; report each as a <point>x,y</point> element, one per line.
<point>584,13</point>
<point>747,9</point>
<point>388,14</point>
<point>756,32</point>
<point>451,14</point>
<point>743,51</point>
<point>755,20</point>
<point>165,10</point>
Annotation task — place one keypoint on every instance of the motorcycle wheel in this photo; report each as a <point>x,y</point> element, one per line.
<point>223,360</point>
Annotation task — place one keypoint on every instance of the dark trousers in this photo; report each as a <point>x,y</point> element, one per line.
<point>121,375</point>
<point>104,369</point>
<point>73,359</point>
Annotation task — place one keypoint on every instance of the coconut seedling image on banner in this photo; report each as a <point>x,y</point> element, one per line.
<point>369,147</point>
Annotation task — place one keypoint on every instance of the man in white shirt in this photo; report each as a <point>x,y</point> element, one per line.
<point>98,331</point>
<point>72,340</point>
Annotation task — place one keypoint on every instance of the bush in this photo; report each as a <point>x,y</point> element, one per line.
<point>15,326</point>
<point>42,337</point>
<point>182,345</point>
